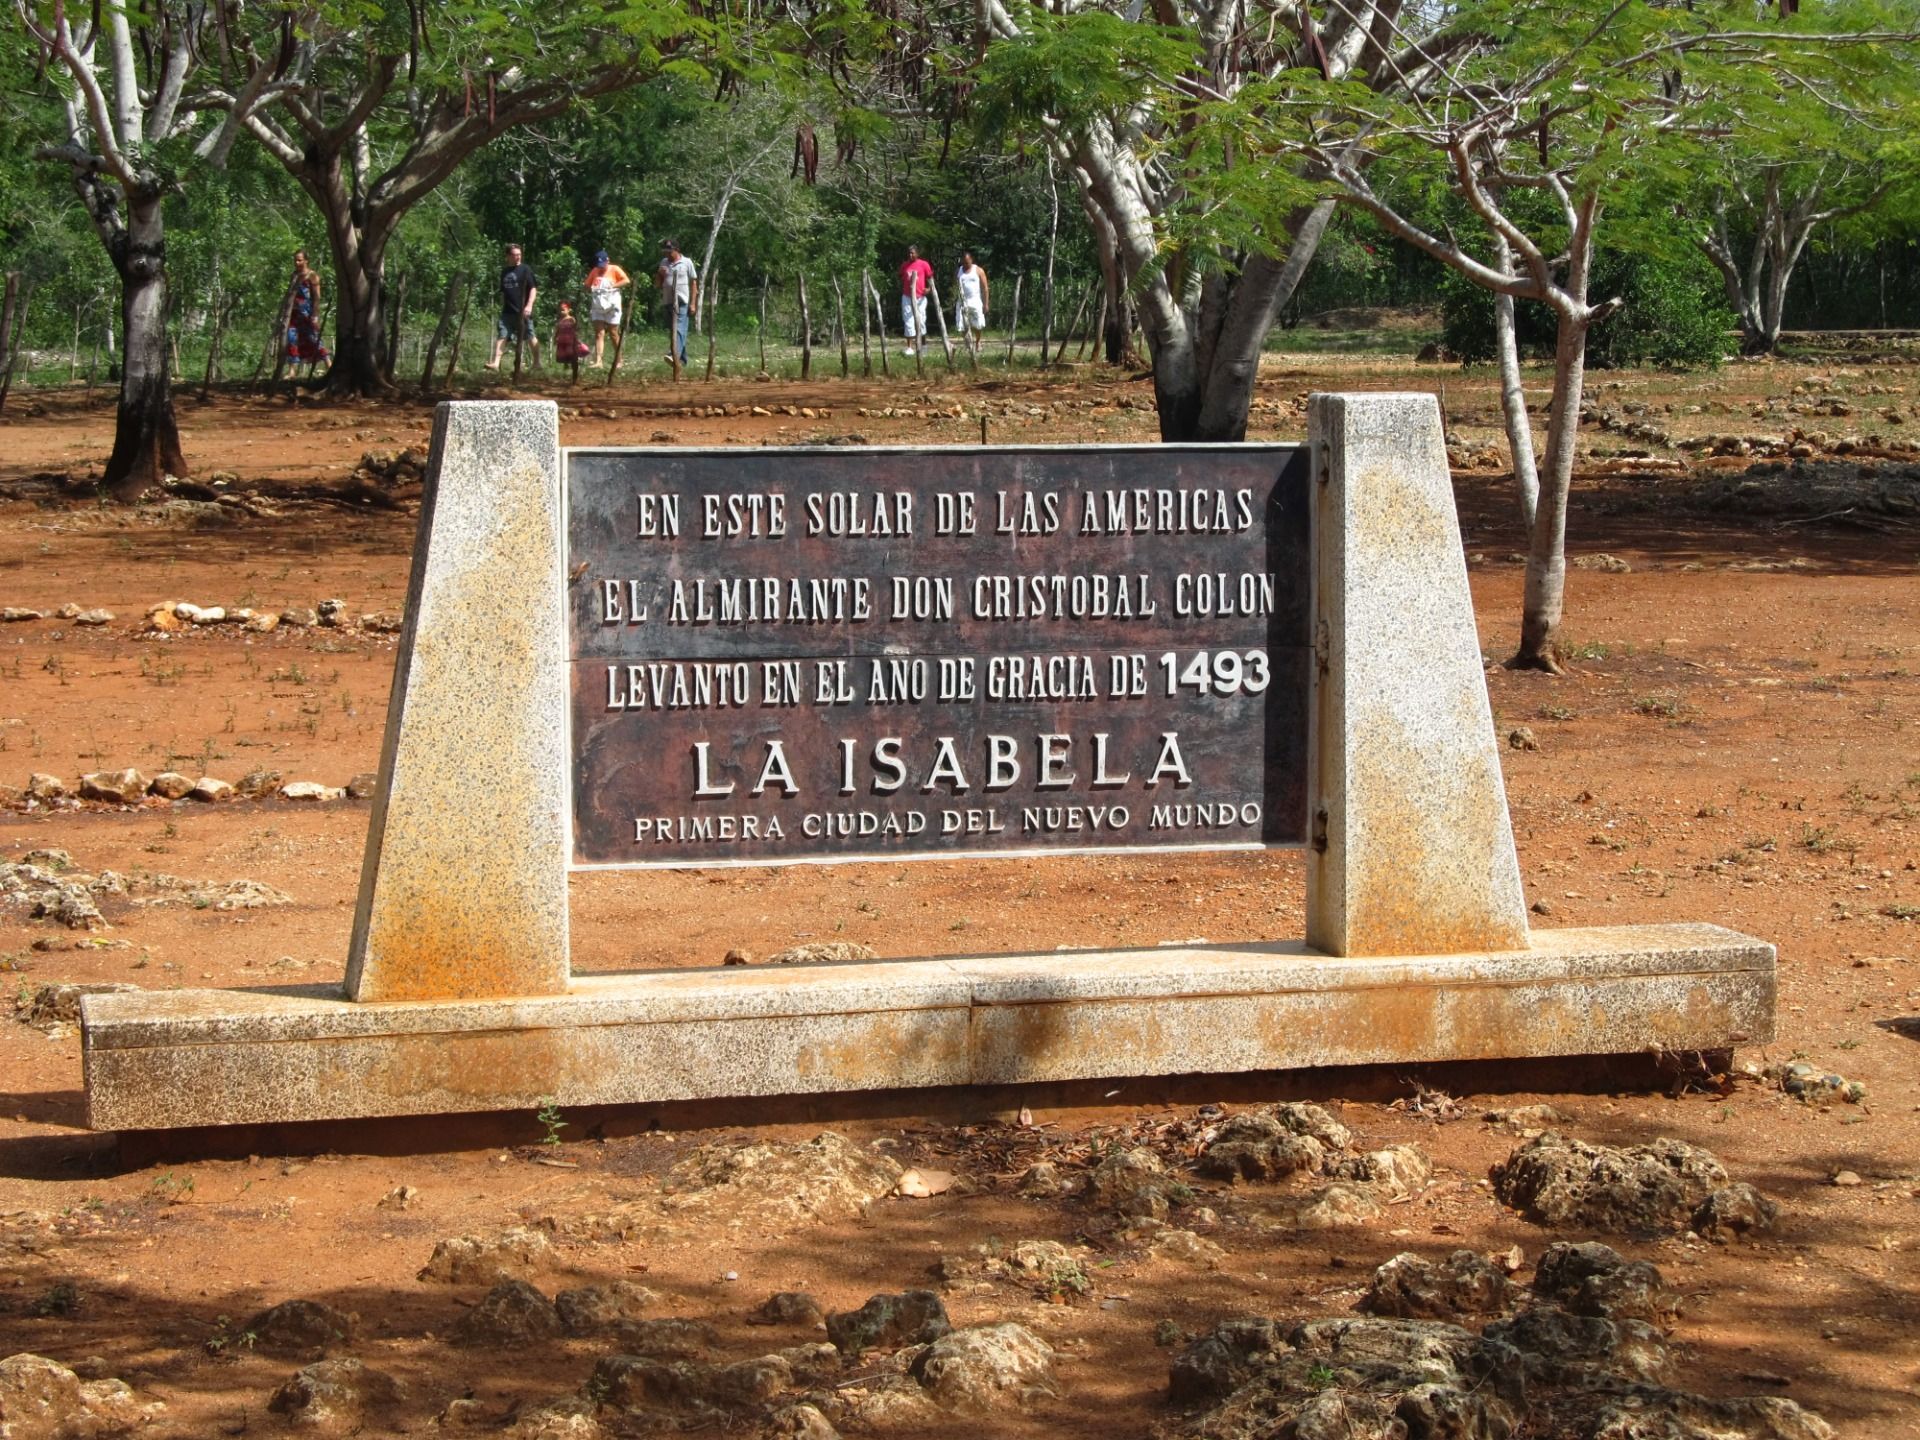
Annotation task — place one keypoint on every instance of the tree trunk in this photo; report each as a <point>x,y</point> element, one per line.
<point>1546,584</point>
<point>1117,316</point>
<point>1775,306</point>
<point>223,309</point>
<point>1513,398</point>
<point>459,331</point>
<point>1094,331</point>
<point>396,311</point>
<point>146,439</point>
<point>441,330</point>
<point>12,344</point>
<point>7,327</point>
<point>1231,365</point>
<point>358,365</point>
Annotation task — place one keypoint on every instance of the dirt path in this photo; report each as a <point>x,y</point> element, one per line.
<point>1737,744</point>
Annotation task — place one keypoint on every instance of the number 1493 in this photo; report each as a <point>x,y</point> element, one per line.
<point>1217,672</point>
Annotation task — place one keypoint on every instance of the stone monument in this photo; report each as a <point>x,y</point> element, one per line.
<point>727,657</point>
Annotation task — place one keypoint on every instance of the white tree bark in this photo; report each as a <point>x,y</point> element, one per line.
<point>110,144</point>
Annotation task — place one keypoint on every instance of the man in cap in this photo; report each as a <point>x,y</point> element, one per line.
<point>679,283</point>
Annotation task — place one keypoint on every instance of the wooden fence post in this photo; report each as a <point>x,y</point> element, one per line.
<point>880,319</point>
<point>840,323</point>
<point>866,336</point>
<point>806,330</point>
<point>1066,336</point>
<point>440,330</point>
<point>1013,321</point>
<point>940,314</point>
<point>712,288</point>
<point>459,331</point>
<point>765,281</point>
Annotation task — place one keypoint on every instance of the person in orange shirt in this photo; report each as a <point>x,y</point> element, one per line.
<point>604,284</point>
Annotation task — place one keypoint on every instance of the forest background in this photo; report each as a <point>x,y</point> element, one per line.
<point>1637,183</point>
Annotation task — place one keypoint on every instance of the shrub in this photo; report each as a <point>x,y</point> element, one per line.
<point>1675,316</point>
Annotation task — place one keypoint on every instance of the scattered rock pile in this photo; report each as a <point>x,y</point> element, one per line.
<point>670,1373</point>
<point>131,787</point>
<point>770,1187</point>
<point>886,1322</point>
<point>1295,1140</point>
<point>337,1393</point>
<point>486,1259</point>
<point>1581,1356</point>
<point>1411,1288</point>
<point>50,889</point>
<point>1659,1188</point>
<point>1876,494</point>
<point>41,1397</point>
<point>1044,1266</point>
<point>299,1325</point>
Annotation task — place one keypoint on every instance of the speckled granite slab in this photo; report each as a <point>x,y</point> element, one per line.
<point>175,1058</point>
<point>464,889</point>
<point>1414,849</point>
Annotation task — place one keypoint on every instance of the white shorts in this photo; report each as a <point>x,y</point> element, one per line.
<point>969,315</point>
<point>913,315</point>
<point>604,308</point>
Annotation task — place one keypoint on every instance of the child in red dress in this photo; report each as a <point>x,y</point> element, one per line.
<point>567,346</point>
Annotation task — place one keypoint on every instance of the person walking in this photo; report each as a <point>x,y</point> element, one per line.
<point>916,275</point>
<point>679,283</point>
<point>518,289</point>
<point>605,281</point>
<point>304,346</point>
<point>970,301</point>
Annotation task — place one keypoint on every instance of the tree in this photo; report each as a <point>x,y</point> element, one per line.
<point>130,131</point>
<point>1112,96</point>
<point>382,103</point>
<point>1538,117</point>
<point>1779,203</point>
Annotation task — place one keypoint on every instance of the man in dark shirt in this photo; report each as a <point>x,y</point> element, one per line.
<point>517,291</point>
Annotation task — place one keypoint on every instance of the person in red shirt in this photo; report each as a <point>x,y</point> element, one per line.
<point>916,275</point>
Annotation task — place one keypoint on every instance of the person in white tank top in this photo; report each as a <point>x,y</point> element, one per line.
<point>970,300</point>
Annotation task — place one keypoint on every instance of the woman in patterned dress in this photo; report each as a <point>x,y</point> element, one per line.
<point>304,346</point>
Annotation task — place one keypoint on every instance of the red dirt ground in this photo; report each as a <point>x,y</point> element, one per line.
<point>1733,745</point>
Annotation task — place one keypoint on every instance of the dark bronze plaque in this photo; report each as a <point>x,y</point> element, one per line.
<point>791,655</point>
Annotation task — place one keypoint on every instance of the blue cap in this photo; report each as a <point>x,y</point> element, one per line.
<point>599,257</point>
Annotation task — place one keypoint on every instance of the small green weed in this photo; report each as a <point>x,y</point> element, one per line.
<point>550,1121</point>
<point>225,1338</point>
<point>171,1187</point>
<point>1825,839</point>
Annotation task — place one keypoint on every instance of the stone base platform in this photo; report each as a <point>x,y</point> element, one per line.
<point>164,1059</point>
